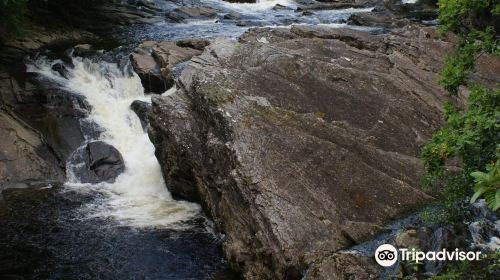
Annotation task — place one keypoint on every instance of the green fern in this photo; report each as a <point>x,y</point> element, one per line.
<point>487,185</point>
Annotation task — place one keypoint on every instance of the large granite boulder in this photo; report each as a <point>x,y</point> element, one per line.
<point>154,61</point>
<point>96,162</point>
<point>301,142</point>
<point>300,147</point>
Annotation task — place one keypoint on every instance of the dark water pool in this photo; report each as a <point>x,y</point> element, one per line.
<point>43,235</point>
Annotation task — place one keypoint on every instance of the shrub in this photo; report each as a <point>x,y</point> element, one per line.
<point>487,185</point>
<point>476,22</point>
<point>469,135</point>
<point>11,15</point>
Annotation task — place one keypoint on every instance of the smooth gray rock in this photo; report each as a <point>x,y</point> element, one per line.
<point>96,162</point>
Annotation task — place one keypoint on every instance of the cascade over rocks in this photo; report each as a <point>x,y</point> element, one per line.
<point>301,142</point>
<point>96,162</point>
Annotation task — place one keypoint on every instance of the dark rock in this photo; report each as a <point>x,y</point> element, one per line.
<point>278,7</point>
<point>66,103</point>
<point>316,5</point>
<point>154,61</point>
<point>54,112</point>
<point>142,110</point>
<point>232,16</point>
<point>24,156</point>
<point>183,14</point>
<point>83,50</point>
<point>242,23</point>
<point>148,69</point>
<point>395,14</point>
<point>28,184</point>
<point>197,44</point>
<point>241,1</point>
<point>96,162</point>
<point>61,69</point>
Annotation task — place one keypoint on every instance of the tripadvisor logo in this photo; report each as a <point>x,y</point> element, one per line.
<point>387,255</point>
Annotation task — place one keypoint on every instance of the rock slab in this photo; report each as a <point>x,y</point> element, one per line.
<point>301,142</point>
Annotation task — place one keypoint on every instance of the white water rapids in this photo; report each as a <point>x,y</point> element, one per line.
<point>138,197</point>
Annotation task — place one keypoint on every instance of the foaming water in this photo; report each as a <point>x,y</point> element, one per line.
<point>253,7</point>
<point>248,15</point>
<point>139,196</point>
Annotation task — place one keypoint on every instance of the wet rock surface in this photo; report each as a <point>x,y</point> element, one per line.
<point>154,61</point>
<point>96,162</point>
<point>142,110</point>
<point>23,155</point>
<point>58,114</point>
<point>183,14</point>
<point>303,141</point>
<point>395,14</point>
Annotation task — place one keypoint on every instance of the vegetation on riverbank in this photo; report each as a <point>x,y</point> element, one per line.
<point>463,157</point>
<point>16,15</point>
<point>12,13</point>
<point>471,136</point>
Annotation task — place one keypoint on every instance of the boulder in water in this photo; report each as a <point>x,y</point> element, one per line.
<point>142,109</point>
<point>232,16</point>
<point>148,69</point>
<point>241,1</point>
<point>61,69</point>
<point>278,7</point>
<point>83,50</point>
<point>183,14</point>
<point>96,162</point>
<point>154,61</point>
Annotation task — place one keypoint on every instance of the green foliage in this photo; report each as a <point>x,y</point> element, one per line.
<point>486,268</point>
<point>11,15</point>
<point>472,135</point>
<point>459,64</point>
<point>474,21</point>
<point>449,209</point>
<point>462,16</point>
<point>14,13</point>
<point>487,185</point>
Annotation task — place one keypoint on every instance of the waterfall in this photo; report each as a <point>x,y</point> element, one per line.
<point>138,197</point>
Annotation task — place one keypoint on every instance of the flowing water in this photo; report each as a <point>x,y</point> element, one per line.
<point>132,228</point>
